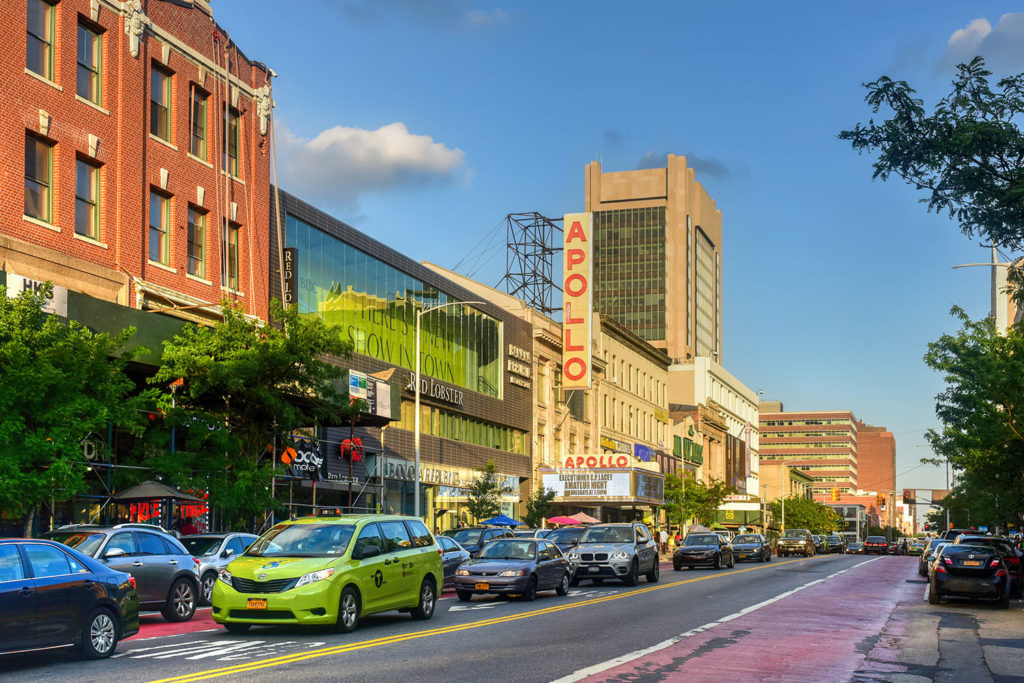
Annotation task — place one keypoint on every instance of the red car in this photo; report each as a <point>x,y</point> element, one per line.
<point>876,545</point>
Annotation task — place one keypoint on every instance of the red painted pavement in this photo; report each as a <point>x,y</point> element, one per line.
<point>821,633</point>
<point>153,625</point>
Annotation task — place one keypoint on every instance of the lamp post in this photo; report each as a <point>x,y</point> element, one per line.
<point>416,395</point>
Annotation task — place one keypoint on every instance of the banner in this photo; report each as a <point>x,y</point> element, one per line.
<point>577,301</point>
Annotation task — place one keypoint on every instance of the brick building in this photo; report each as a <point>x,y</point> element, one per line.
<point>876,465</point>
<point>822,444</point>
<point>138,135</point>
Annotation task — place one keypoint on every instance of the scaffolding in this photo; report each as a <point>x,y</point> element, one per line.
<point>529,259</point>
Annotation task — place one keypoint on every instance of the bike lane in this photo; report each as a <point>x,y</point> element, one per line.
<point>821,631</point>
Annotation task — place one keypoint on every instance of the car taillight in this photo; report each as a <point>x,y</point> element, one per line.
<point>440,551</point>
<point>948,561</point>
<point>1001,572</point>
<point>993,563</point>
<point>939,569</point>
<point>131,580</point>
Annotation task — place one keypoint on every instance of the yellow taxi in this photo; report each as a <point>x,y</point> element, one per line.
<point>331,571</point>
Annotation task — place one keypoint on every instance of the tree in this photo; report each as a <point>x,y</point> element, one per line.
<point>674,491</point>
<point>485,493</point>
<point>968,154</point>
<point>240,390</point>
<point>59,383</point>
<point>802,513</point>
<point>701,501</point>
<point>537,506</point>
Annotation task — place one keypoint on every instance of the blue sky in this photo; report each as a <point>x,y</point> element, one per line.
<point>424,122</point>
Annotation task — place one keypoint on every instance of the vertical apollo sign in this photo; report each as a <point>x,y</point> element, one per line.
<point>577,300</point>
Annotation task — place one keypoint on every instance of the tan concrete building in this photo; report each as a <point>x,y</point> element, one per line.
<point>779,480</point>
<point>822,444</point>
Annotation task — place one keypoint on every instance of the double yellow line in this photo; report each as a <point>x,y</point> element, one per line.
<point>388,640</point>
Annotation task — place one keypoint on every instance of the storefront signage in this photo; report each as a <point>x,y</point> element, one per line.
<point>290,276</point>
<point>519,366</point>
<point>588,484</point>
<point>693,452</point>
<point>376,393</point>
<point>661,415</point>
<point>57,304</point>
<point>643,452</point>
<point>303,460</point>
<point>590,461</point>
<point>577,301</point>
<point>611,444</point>
<point>434,389</point>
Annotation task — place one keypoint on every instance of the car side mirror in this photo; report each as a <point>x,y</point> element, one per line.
<point>114,552</point>
<point>228,552</point>
<point>368,552</point>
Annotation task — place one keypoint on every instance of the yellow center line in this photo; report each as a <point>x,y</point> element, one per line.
<point>398,638</point>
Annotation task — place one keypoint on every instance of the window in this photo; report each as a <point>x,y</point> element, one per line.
<point>38,179</point>
<point>159,219</point>
<point>396,535</point>
<point>420,536</point>
<point>150,545</point>
<point>231,143</point>
<point>123,541</point>
<point>10,564</point>
<point>160,104</point>
<point>370,535</point>
<point>90,54</point>
<point>230,279</point>
<point>39,42</point>
<point>196,242</point>
<point>87,200</point>
<point>197,124</point>
<point>46,560</point>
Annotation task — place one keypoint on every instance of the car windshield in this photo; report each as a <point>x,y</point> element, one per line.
<point>467,536</point>
<point>569,535</point>
<point>794,533</point>
<point>607,534</point>
<point>833,539</point>
<point>508,549</point>
<point>747,538</point>
<point>87,544</point>
<point>954,549</point>
<point>875,539</point>
<point>197,545</point>
<point>701,539</point>
<point>303,540</point>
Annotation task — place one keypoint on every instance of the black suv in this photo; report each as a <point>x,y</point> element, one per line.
<point>615,551</point>
<point>473,538</point>
<point>165,573</point>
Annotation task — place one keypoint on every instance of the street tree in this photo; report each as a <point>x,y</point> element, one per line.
<point>537,506</point>
<point>240,390</point>
<point>60,384</point>
<point>701,501</point>
<point>484,495</point>
<point>802,513</point>
<point>967,155</point>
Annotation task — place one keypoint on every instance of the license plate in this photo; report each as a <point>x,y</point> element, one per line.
<point>482,586</point>
<point>593,569</point>
<point>972,563</point>
<point>256,603</point>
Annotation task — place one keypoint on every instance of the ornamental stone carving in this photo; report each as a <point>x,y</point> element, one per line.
<point>263,106</point>
<point>135,23</point>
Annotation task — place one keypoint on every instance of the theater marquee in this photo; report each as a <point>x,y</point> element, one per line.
<point>619,487</point>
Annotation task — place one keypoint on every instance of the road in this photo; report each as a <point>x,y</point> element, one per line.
<point>597,632</point>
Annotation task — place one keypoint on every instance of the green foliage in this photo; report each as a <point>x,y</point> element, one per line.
<point>802,513</point>
<point>59,383</point>
<point>982,415</point>
<point>701,501</point>
<point>484,497</point>
<point>674,490</point>
<point>246,388</point>
<point>967,154</point>
<point>537,506</point>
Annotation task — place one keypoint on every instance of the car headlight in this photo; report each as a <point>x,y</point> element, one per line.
<point>573,556</point>
<point>513,572</point>
<point>225,576</point>
<point>313,577</point>
<point>621,555</point>
<point>461,572</point>
<point>801,542</point>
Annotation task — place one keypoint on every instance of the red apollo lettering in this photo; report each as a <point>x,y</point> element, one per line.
<point>575,285</point>
<point>591,461</point>
<point>574,257</point>
<point>569,320</point>
<point>576,233</point>
<point>579,461</point>
<point>575,369</point>
<point>569,346</point>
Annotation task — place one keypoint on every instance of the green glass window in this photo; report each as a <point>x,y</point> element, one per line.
<point>196,242</point>
<point>38,179</point>
<point>159,219</point>
<point>89,55</point>
<point>39,41</point>
<point>87,200</point>
<point>160,103</point>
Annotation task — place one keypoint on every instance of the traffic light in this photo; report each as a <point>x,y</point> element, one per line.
<point>881,501</point>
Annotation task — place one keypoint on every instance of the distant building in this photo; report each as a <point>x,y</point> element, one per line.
<point>822,444</point>
<point>876,465</point>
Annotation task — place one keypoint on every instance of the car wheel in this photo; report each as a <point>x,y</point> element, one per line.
<point>206,586</point>
<point>181,601</point>
<point>348,611</point>
<point>99,635</point>
<point>769,558</point>
<point>464,596</point>
<point>654,574</point>
<point>1003,602</point>
<point>633,577</point>
<point>237,628</point>
<point>428,599</point>
<point>1015,593</point>
<point>732,561</point>
<point>563,585</point>
<point>574,582</point>
<point>933,594</point>
<point>718,561</point>
<point>677,567</point>
<point>530,594</point>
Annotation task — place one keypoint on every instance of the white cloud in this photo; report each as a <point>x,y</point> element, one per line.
<point>341,164</point>
<point>1001,45</point>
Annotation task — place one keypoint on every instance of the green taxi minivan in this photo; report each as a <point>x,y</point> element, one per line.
<point>331,571</point>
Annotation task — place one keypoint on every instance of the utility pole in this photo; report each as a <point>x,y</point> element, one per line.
<point>1000,309</point>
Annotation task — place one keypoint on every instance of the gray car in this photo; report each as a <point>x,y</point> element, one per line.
<point>615,551</point>
<point>214,551</point>
<point>165,574</point>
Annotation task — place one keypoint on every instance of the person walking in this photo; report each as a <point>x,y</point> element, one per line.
<point>664,541</point>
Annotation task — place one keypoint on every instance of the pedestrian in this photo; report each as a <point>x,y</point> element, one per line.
<point>188,528</point>
<point>664,541</point>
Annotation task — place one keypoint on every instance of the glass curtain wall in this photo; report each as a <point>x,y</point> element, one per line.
<point>376,304</point>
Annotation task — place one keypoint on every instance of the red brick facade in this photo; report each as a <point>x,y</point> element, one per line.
<point>182,39</point>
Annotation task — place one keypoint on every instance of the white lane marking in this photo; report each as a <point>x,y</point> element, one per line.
<point>206,645</point>
<point>629,657</point>
<point>160,647</point>
<point>466,608</point>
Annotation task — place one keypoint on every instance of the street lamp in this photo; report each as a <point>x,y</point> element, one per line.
<point>416,394</point>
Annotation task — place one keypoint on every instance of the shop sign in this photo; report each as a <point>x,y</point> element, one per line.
<point>591,461</point>
<point>577,301</point>
<point>661,415</point>
<point>611,444</point>
<point>643,453</point>
<point>520,367</point>
<point>291,274</point>
<point>376,393</point>
<point>588,484</point>
<point>57,304</point>
<point>693,452</point>
<point>649,485</point>
<point>434,389</point>
<point>303,460</point>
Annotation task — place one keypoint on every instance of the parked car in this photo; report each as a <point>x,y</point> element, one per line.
<point>53,596</point>
<point>615,551</point>
<point>796,542</point>
<point>951,534</point>
<point>971,571</point>
<point>214,552</point>
<point>331,571</point>
<point>529,533</point>
<point>916,547</point>
<point>750,547</point>
<point>516,566</point>
<point>1010,555</point>
<point>835,544</point>
<point>476,537</point>
<point>876,545</point>
<point>452,556</point>
<point>855,548</point>
<point>565,537</point>
<point>165,573</point>
<point>819,543</point>
<point>703,550</point>
<point>928,556</point>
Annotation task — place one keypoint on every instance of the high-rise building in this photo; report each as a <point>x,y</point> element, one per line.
<point>822,444</point>
<point>876,464</point>
<point>658,256</point>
